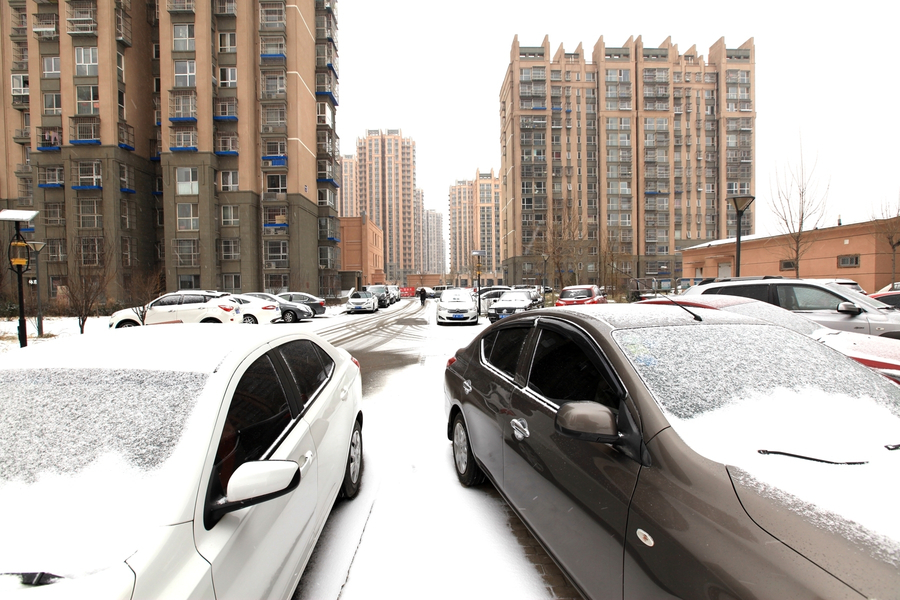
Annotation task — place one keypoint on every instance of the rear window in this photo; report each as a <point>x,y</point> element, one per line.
<point>575,294</point>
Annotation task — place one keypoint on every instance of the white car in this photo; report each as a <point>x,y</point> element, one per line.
<point>456,306</point>
<point>192,462</point>
<point>291,312</point>
<point>257,310</point>
<point>362,301</point>
<point>183,306</point>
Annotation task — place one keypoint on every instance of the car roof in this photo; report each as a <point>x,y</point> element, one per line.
<point>186,347</point>
<point>629,316</point>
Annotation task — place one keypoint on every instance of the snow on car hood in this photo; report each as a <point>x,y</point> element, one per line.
<point>92,462</point>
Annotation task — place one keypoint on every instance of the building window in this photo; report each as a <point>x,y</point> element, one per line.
<point>787,265</point>
<point>91,251</point>
<point>128,248</point>
<point>229,181</point>
<point>20,85</point>
<point>127,214</point>
<point>188,282</point>
<point>88,173</point>
<point>188,182</point>
<point>230,215</point>
<point>183,37</point>
<point>276,283</point>
<point>276,255</point>
<point>156,51</point>
<point>231,249</point>
<point>184,137</point>
<point>86,61</point>
<point>276,183</point>
<point>187,252</point>
<point>184,105</point>
<point>87,100</point>
<point>185,73</point>
<point>89,213</point>
<point>53,104</point>
<point>54,213</point>
<point>120,66</point>
<point>51,67</point>
<point>231,282</point>
<point>228,42</point>
<point>227,77</point>
<point>848,261</point>
<point>188,216</point>
<point>56,250</point>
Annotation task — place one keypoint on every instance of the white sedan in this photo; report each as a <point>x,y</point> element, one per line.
<point>456,306</point>
<point>257,310</point>
<point>188,462</point>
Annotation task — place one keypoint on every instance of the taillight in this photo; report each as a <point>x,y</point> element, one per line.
<point>226,308</point>
<point>355,362</point>
<point>451,361</point>
<point>270,307</point>
<point>322,303</point>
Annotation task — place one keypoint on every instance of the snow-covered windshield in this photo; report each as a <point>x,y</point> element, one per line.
<point>61,420</point>
<point>516,296</point>
<point>456,296</point>
<point>694,370</point>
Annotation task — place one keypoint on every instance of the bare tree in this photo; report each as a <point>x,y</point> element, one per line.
<point>559,240</point>
<point>799,208</point>
<point>146,285</point>
<point>93,268</point>
<point>887,225</point>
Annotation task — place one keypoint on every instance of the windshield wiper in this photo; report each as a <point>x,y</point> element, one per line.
<point>821,460</point>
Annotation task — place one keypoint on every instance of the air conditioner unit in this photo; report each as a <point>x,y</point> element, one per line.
<point>270,265</point>
<point>268,129</point>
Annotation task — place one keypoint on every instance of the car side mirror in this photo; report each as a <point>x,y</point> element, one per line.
<point>587,421</point>
<point>848,308</point>
<point>256,482</point>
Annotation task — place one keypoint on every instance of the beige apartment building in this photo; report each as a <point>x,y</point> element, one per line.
<point>386,190</point>
<point>613,162</point>
<point>195,137</point>
<point>348,203</point>
<point>435,252</point>
<point>474,211</point>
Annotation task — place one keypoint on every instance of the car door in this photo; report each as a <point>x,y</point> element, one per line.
<point>163,310</point>
<point>573,494</point>
<point>254,552</point>
<point>820,305</point>
<point>324,387</point>
<point>193,308</point>
<point>488,391</point>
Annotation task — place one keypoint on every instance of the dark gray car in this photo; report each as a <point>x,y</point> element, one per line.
<point>290,311</point>
<point>381,292</point>
<point>665,452</point>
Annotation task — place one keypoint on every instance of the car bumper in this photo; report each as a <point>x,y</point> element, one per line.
<point>469,317</point>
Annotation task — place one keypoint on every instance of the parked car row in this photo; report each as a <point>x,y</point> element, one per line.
<point>209,306</point>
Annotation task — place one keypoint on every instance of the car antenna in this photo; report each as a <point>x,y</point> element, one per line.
<point>684,308</point>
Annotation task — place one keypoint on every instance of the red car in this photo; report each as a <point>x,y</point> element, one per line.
<point>889,298</point>
<point>581,294</point>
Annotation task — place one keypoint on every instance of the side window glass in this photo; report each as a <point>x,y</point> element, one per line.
<point>309,366</point>
<point>165,301</point>
<point>562,371</point>
<point>192,299</point>
<point>810,298</point>
<point>757,292</point>
<point>502,349</point>
<point>258,414</point>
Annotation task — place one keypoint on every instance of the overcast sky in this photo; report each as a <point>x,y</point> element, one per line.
<point>434,70</point>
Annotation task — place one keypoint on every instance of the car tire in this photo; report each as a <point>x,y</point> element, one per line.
<point>210,321</point>
<point>250,320</point>
<point>467,470</point>
<point>127,323</point>
<point>353,471</point>
<point>289,317</point>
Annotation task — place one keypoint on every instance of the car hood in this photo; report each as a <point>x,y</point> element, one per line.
<point>815,470</point>
<point>464,304</point>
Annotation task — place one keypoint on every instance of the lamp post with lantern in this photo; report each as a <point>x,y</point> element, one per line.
<point>740,203</point>
<point>19,258</point>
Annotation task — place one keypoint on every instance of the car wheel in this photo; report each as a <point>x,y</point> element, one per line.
<point>210,321</point>
<point>250,320</point>
<point>289,317</point>
<point>468,472</point>
<point>126,324</point>
<point>353,472</point>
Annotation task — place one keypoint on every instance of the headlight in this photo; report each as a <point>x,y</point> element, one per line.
<point>518,310</point>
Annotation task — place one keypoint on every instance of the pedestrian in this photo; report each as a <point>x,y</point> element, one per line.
<point>422,295</point>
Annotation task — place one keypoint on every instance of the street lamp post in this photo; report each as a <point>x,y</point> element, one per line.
<point>544,279</point>
<point>741,203</point>
<point>19,257</point>
<point>36,247</point>
<point>478,254</point>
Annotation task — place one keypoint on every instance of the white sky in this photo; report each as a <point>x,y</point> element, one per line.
<point>823,72</point>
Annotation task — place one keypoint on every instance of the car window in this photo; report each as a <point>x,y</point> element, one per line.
<point>576,294</point>
<point>257,416</point>
<point>562,371</point>
<point>309,367</point>
<point>502,348</point>
<point>167,301</point>
<point>757,292</point>
<point>807,298</point>
<point>192,299</point>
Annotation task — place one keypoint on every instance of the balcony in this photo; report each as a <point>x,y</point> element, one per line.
<point>271,16</point>
<point>275,163</point>
<point>49,139</point>
<point>226,109</point>
<point>84,130</point>
<point>123,27</point>
<point>81,18</point>
<point>126,137</point>
<point>225,8</point>
<point>45,27</point>
<point>22,136</point>
<point>51,176</point>
<point>274,197</point>
<point>180,6</point>
<point>23,170</point>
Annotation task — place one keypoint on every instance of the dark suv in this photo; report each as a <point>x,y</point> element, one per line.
<point>382,293</point>
<point>828,304</point>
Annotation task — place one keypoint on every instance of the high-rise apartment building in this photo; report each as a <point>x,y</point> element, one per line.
<point>348,204</point>
<point>615,161</point>
<point>177,135</point>
<point>386,190</point>
<point>474,211</point>
<point>435,252</point>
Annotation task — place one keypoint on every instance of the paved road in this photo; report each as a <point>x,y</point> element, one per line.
<point>413,531</point>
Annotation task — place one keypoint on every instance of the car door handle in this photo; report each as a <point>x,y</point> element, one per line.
<point>307,461</point>
<point>344,393</point>
<point>520,429</point>
<point>467,386</point>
